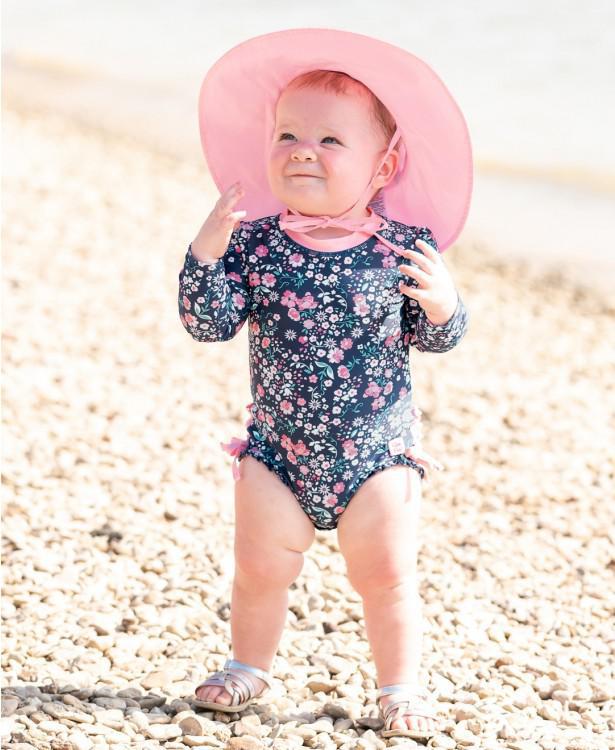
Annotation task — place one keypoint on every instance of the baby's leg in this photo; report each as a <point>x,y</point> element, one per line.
<point>378,536</point>
<point>271,534</point>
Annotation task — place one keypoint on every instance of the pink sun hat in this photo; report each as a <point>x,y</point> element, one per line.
<point>237,115</point>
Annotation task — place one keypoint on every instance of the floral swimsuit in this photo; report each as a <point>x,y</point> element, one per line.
<point>329,338</point>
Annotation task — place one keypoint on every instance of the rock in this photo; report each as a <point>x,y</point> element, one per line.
<point>163,732</point>
<point>10,704</point>
<point>163,677</point>
<point>244,743</point>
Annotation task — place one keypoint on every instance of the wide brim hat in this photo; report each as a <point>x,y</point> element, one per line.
<point>237,116</point>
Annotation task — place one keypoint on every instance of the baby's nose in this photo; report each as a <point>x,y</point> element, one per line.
<point>303,153</point>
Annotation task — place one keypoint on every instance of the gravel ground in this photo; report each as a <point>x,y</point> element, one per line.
<point>117,501</point>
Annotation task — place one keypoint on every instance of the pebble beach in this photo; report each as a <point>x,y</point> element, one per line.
<point>117,498</point>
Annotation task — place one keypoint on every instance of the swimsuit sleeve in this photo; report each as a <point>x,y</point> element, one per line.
<point>214,298</point>
<point>427,336</point>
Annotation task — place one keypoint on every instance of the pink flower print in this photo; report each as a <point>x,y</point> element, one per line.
<point>309,323</point>
<point>346,343</point>
<point>266,227</point>
<point>239,300</point>
<point>186,303</point>
<point>360,305</point>
<point>313,378</point>
<point>289,299</point>
<point>300,482</point>
<point>388,372</point>
<point>260,390</point>
<point>269,420</point>
<point>403,392</point>
<point>304,470</point>
<point>286,443</point>
<point>349,449</point>
<point>406,339</point>
<point>336,355</point>
<point>389,262</point>
<point>302,339</point>
<point>331,501</point>
<point>256,327</point>
<point>378,403</point>
<point>338,487</point>
<point>343,371</point>
<point>254,279</point>
<point>373,389</point>
<point>301,401</point>
<point>268,279</point>
<point>261,415</point>
<point>286,407</point>
<point>265,342</point>
<point>338,509</point>
<point>190,319</point>
<point>295,260</point>
<point>400,237</point>
<point>292,458</point>
<point>307,302</point>
<point>261,251</point>
<point>233,276</point>
<point>387,388</point>
<point>294,314</point>
<point>215,303</point>
<point>301,449</point>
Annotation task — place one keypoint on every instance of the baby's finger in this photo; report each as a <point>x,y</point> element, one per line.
<point>429,250</point>
<point>228,199</point>
<point>414,273</point>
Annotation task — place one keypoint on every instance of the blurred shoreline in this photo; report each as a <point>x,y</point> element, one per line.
<point>554,219</point>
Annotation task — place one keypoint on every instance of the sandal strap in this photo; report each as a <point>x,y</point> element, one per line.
<point>409,699</point>
<point>260,673</point>
<point>238,686</point>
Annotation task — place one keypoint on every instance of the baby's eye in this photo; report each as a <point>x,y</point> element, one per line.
<point>284,138</point>
<point>330,138</point>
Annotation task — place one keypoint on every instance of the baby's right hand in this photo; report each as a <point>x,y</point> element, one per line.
<point>213,237</point>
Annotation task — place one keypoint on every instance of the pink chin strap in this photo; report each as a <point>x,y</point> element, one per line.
<point>370,225</point>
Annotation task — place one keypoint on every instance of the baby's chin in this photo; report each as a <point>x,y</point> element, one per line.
<point>308,207</point>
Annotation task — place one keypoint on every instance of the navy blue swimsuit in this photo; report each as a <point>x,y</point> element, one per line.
<point>329,338</point>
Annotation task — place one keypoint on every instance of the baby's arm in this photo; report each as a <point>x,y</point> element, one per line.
<point>214,299</point>
<point>426,335</point>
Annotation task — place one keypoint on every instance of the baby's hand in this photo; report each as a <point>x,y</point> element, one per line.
<point>215,234</point>
<point>436,292</point>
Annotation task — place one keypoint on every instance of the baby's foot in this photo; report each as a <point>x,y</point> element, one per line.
<point>407,720</point>
<point>218,694</point>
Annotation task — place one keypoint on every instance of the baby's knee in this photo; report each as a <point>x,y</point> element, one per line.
<point>267,568</point>
<point>387,577</point>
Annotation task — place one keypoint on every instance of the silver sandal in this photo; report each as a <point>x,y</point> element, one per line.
<point>240,689</point>
<point>410,700</point>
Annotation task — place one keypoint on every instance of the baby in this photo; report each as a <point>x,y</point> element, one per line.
<point>333,440</point>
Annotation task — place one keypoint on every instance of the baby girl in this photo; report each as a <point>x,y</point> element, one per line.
<point>335,294</point>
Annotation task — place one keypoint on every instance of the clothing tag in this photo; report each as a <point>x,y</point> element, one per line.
<point>397,446</point>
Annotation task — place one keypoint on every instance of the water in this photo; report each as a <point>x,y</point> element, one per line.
<point>535,80</point>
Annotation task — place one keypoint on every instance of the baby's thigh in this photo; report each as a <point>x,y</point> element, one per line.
<point>378,531</point>
<point>271,529</point>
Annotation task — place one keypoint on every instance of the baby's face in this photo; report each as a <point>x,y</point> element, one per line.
<point>324,151</point>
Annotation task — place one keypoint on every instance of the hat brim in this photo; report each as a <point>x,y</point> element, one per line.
<point>236,118</point>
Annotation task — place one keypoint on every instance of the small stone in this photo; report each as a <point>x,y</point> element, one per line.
<point>163,731</point>
<point>244,743</point>
<point>10,704</point>
<point>163,677</point>
<point>335,711</point>
<point>147,702</point>
<point>321,685</point>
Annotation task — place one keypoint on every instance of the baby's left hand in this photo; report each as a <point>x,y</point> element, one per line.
<point>436,292</point>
